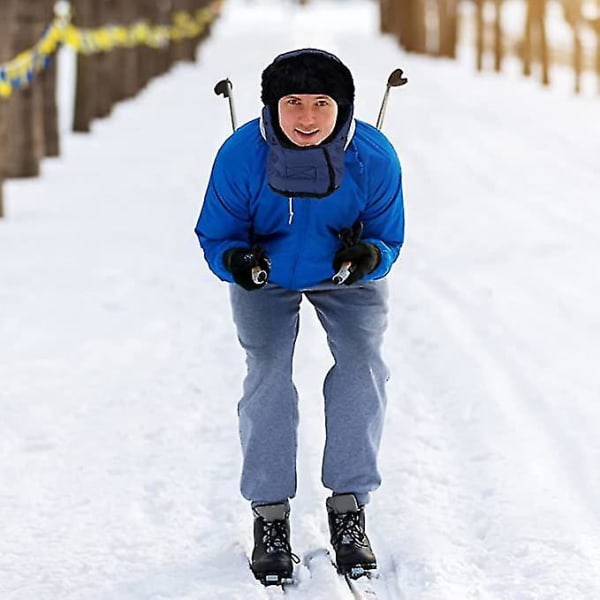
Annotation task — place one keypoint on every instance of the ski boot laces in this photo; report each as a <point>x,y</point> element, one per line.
<point>348,530</point>
<point>275,538</point>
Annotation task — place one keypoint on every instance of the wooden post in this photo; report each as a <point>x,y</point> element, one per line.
<point>104,13</point>
<point>129,83</point>
<point>163,12</point>
<point>86,80</point>
<point>50,108</point>
<point>8,10</point>
<point>25,107</point>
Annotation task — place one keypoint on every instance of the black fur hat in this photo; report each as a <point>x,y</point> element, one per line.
<point>307,71</point>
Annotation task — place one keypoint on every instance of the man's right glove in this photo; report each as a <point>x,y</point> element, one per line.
<point>250,267</point>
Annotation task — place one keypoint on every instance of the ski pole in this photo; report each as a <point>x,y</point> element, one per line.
<point>349,236</point>
<point>259,275</point>
<point>395,79</point>
<point>225,87</point>
<point>344,272</point>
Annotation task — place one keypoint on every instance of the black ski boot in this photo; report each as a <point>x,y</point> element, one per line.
<point>272,556</point>
<point>353,553</point>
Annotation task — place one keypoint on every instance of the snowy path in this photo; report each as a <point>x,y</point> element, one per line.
<point>120,371</point>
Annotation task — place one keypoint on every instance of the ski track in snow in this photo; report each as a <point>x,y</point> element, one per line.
<point>120,370</point>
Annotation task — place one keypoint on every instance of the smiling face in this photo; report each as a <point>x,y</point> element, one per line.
<point>307,119</point>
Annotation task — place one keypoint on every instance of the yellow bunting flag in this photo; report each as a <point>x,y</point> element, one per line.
<point>20,71</point>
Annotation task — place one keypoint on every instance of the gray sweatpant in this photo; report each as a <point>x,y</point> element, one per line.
<point>354,318</point>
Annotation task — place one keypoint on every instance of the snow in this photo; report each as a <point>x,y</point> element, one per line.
<point>120,370</point>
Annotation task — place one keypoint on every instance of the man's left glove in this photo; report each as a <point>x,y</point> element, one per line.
<point>364,258</point>
<point>250,267</point>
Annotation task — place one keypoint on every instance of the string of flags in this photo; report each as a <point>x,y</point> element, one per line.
<point>20,71</point>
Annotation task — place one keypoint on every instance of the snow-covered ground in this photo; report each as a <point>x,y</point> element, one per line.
<point>120,370</point>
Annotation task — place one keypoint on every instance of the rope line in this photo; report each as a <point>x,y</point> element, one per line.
<point>20,71</point>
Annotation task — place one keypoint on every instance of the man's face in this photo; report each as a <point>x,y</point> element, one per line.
<point>307,119</point>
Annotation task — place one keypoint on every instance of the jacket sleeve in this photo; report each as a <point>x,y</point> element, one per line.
<point>383,219</point>
<point>224,220</point>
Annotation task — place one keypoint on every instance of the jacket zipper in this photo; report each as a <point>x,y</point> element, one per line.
<point>304,220</point>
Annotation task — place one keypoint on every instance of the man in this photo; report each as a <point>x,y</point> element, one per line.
<point>302,195</point>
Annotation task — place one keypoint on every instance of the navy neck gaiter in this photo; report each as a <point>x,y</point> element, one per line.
<point>305,172</point>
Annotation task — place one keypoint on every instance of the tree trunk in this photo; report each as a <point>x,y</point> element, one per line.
<point>498,46</point>
<point>412,20</point>
<point>527,39</point>
<point>597,26</point>
<point>535,43</point>
<point>448,28</point>
<point>543,41</point>
<point>480,29</point>
<point>419,26</point>
<point>577,56</point>
<point>385,24</point>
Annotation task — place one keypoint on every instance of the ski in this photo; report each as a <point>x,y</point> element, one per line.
<point>274,579</point>
<point>357,579</point>
<point>361,587</point>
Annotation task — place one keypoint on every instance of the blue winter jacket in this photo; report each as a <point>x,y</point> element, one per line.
<point>300,235</point>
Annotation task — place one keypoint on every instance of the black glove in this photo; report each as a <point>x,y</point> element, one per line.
<point>364,258</point>
<point>250,267</point>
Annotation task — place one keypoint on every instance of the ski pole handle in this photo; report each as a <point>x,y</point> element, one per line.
<point>395,79</point>
<point>225,88</point>
<point>259,275</point>
<point>344,272</point>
